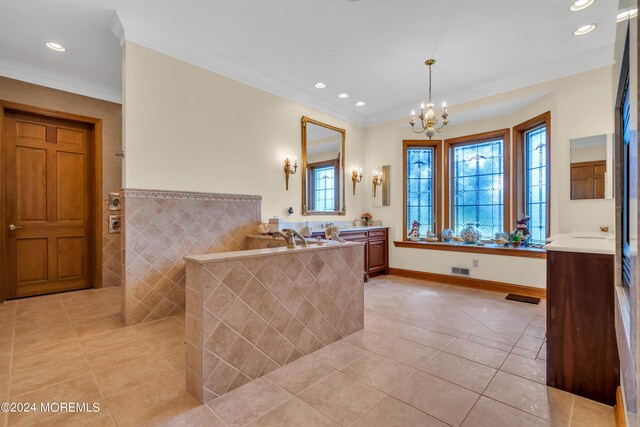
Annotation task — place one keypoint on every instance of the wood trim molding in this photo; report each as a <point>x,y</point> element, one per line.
<point>487,250</point>
<point>437,188</point>
<point>619,409</point>
<point>518,159</point>
<point>96,126</point>
<point>449,144</point>
<point>485,285</point>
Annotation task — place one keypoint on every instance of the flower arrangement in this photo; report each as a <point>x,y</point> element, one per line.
<point>367,218</point>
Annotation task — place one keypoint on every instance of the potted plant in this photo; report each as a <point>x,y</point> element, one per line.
<point>515,240</point>
<point>366,219</point>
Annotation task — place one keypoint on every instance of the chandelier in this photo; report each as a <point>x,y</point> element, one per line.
<point>428,121</point>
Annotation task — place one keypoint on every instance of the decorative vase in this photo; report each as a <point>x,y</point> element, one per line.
<point>470,234</point>
<point>447,235</point>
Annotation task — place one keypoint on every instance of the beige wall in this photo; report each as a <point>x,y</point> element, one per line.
<point>53,99</point>
<point>189,129</point>
<point>580,106</point>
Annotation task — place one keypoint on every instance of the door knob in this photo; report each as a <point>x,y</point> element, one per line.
<point>14,227</point>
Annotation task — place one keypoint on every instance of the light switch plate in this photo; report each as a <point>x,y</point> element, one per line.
<point>114,202</point>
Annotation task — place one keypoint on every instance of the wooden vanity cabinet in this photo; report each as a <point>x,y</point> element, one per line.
<point>376,248</point>
<point>582,354</point>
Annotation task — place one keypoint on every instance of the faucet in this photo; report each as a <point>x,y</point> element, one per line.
<point>292,233</point>
<point>290,239</point>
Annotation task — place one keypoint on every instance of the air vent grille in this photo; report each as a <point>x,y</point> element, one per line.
<point>460,271</point>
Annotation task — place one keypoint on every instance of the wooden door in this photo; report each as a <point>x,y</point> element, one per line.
<point>587,180</point>
<point>48,193</point>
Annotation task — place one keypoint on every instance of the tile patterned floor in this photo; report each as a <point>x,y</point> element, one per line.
<point>430,355</point>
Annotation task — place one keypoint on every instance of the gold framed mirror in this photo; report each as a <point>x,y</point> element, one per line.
<point>323,148</point>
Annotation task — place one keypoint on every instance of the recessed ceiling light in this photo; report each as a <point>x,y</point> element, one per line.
<point>360,104</point>
<point>343,95</point>
<point>580,5</point>
<point>55,46</point>
<point>585,29</point>
<point>627,14</point>
<point>320,85</point>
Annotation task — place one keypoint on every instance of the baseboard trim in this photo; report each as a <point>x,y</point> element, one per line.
<point>486,285</point>
<point>619,410</point>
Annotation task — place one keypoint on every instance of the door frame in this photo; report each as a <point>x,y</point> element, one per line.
<point>96,139</point>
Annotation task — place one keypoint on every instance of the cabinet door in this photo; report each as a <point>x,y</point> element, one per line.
<point>377,255</point>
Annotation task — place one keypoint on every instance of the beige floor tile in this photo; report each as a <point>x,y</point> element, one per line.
<point>341,398</point>
<point>477,352</point>
<point>292,413</point>
<point>150,329</point>
<point>524,352</point>
<point>338,355</point>
<point>393,413</point>
<point>503,326</point>
<point>367,339</point>
<point>440,399</point>
<point>64,350</point>
<point>490,413</point>
<point>300,374</point>
<point>488,342</point>
<point>38,344</point>
<point>248,402</point>
<point>425,337</point>
<point>200,416</point>
<point>385,326</point>
<point>160,398</point>
<point>129,374</point>
<point>587,413</point>
<point>166,342</point>
<point>81,389</point>
<point>529,396</point>
<point>100,326</point>
<point>109,339</point>
<point>379,372</point>
<point>535,370</point>
<point>529,343</point>
<point>407,352</point>
<point>36,377</point>
<point>458,370</point>
<point>117,355</point>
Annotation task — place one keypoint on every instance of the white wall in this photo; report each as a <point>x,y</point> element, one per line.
<point>580,105</point>
<point>188,129</point>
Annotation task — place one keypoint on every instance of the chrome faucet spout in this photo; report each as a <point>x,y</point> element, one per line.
<point>293,233</point>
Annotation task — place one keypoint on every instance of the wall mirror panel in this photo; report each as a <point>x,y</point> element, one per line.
<point>323,148</point>
<point>590,165</point>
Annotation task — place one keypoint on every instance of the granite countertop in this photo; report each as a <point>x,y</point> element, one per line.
<point>253,253</point>
<point>592,243</point>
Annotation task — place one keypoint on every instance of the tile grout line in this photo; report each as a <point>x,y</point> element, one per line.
<point>93,375</point>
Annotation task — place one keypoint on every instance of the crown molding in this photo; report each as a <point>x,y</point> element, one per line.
<point>132,30</point>
<point>35,75</point>
<point>569,66</point>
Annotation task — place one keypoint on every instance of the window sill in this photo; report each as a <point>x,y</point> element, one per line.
<point>489,249</point>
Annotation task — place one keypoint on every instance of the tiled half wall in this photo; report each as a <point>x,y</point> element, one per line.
<point>160,228</point>
<point>248,317</point>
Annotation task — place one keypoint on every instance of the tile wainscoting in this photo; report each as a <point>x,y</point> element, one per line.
<point>111,246</point>
<point>248,315</point>
<point>160,228</point>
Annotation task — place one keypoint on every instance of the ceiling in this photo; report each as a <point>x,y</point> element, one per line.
<point>372,49</point>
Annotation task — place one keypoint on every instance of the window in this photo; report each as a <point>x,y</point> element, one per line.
<point>421,192</point>
<point>478,182</point>
<point>531,162</point>
<point>323,185</point>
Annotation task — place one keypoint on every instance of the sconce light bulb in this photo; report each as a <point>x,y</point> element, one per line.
<point>413,112</point>
<point>444,105</point>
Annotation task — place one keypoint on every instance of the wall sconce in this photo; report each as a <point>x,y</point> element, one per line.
<point>356,176</point>
<point>377,180</point>
<point>288,171</point>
